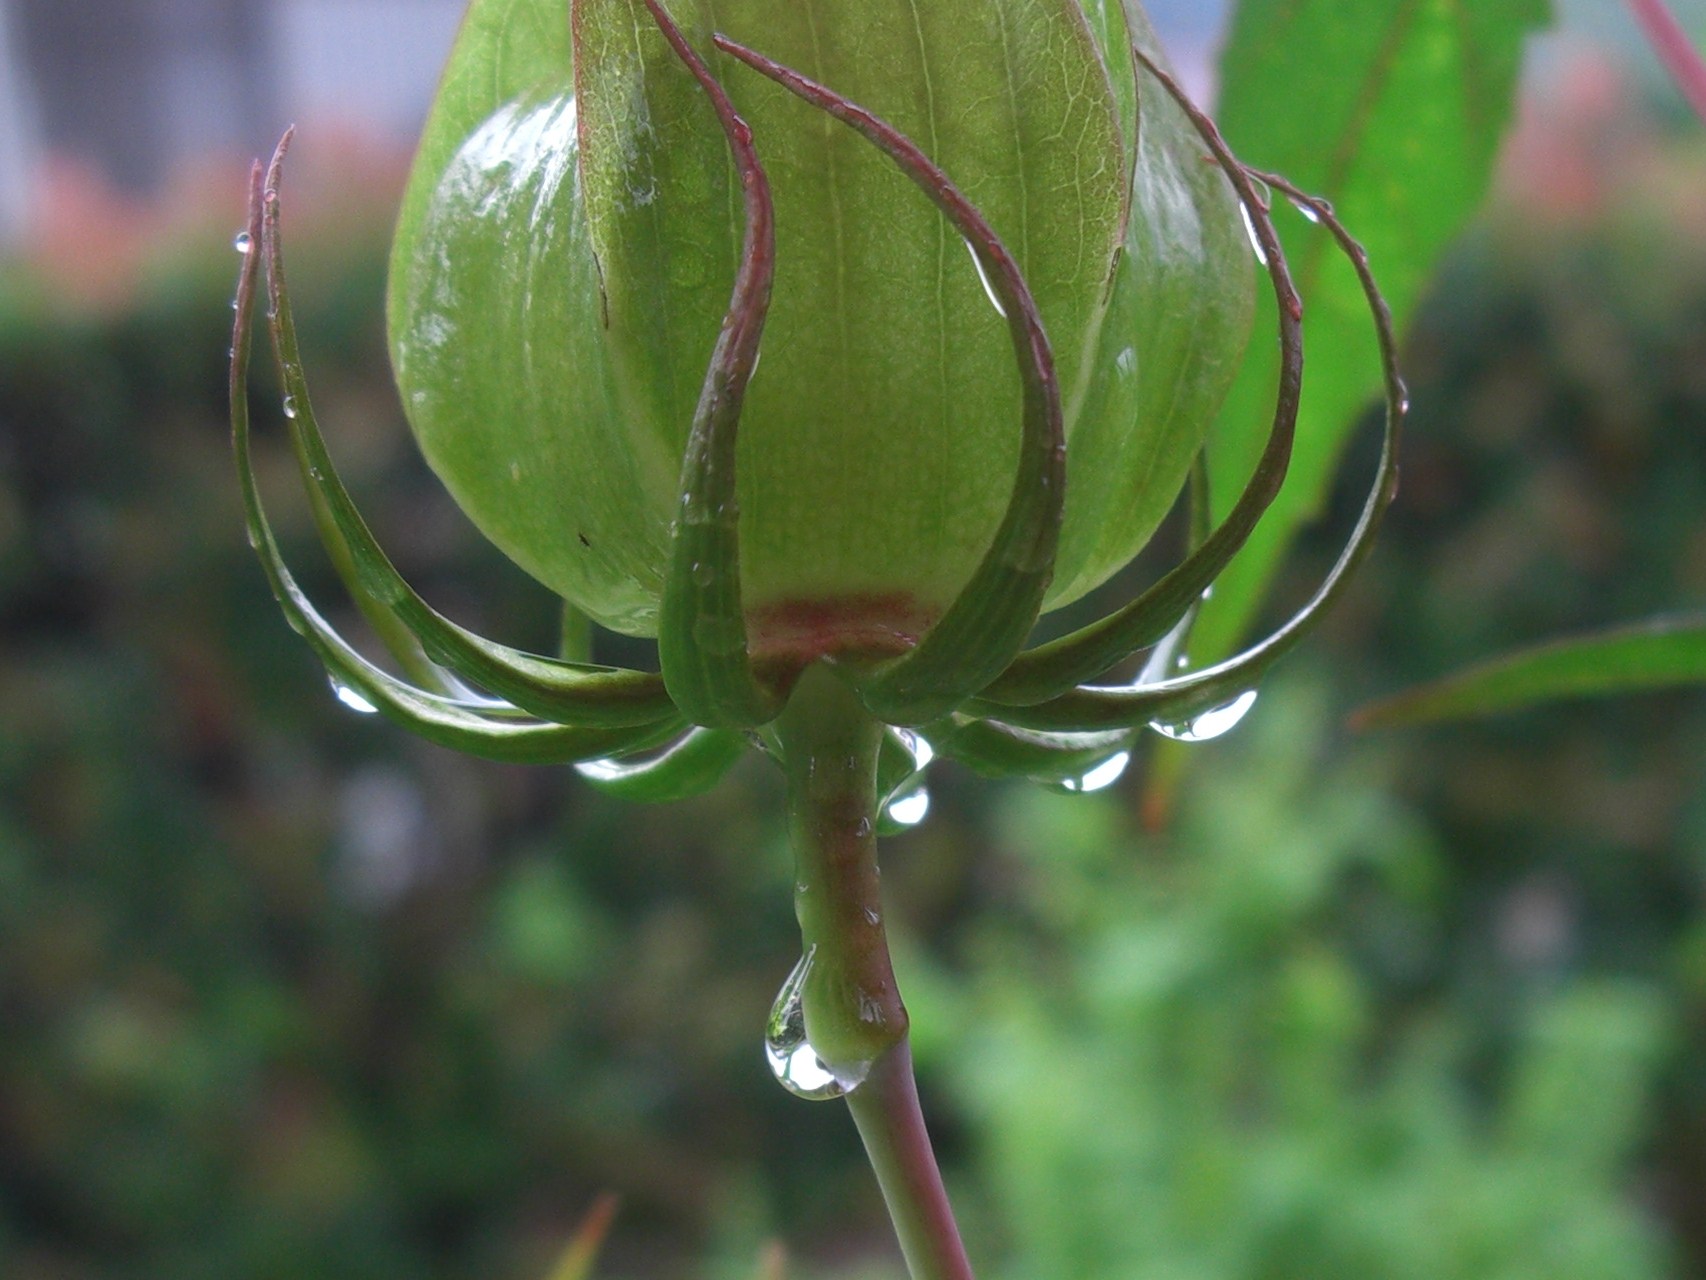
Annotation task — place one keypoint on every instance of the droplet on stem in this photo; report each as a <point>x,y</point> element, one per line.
<point>795,1064</point>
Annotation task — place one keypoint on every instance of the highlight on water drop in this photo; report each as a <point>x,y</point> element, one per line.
<point>795,1064</point>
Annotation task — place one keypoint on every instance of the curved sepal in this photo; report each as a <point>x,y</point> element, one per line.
<point>1052,669</point>
<point>702,640</point>
<point>998,750</point>
<point>687,767</point>
<point>493,731</point>
<point>565,693</point>
<point>987,623</point>
<point>1181,698</point>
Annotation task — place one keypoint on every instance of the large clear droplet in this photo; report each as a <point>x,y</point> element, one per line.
<point>917,746</point>
<point>1207,724</point>
<point>1307,209</point>
<point>908,810</point>
<point>602,770</point>
<point>1099,777</point>
<point>290,406</point>
<point>351,699</point>
<point>793,1061</point>
<point>1255,237</point>
<point>983,278</point>
<point>243,243</point>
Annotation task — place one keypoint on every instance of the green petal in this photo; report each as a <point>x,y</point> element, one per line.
<point>989,619</point>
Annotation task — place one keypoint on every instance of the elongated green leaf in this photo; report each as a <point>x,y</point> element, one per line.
<point>1658,654</point>
<point>1393,111</point>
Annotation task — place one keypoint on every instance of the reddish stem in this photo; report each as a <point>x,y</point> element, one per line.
<point>1675,50</point>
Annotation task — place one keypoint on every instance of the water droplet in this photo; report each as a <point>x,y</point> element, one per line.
<point>793,1061</point>
<point>515,471</point>
<point>908,810</point>
<point>290,406</point>
<point>873,916</point>
<point>1306,209</point>
<point>1255,239</point>
<point>601,770</point>
<point>1126,361</point>
<point>703,574</point>
<point>918,747</point>
<point>983,278</point>
<point>1099,777</point>
<point>351,699</point>
<point>244,242</point>
<point>1207,724</point>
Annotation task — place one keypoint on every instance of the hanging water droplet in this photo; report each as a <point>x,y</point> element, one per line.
<point>601,770</point>
<point>1169,652</point>
<point>917,746</point>
<point>1306,209</point>
<point>290,406</point>
<point>908,810</point>
<point>1255,238</point>
<point>793,1061</point>
<point>1207,724</point>
<point>244,242</point>
<point>983,278</point>
<point>1099,777</point>
<point>351,699</point>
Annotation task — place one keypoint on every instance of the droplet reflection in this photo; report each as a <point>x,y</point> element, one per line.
<point>793,1061</point>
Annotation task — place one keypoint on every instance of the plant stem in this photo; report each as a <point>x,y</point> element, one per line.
<point>854,1018</point>
<point>891,1123</point>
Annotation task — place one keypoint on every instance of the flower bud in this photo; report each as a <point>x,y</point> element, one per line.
<point>571,235</point>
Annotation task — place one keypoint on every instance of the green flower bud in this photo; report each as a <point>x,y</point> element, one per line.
<point>572,231</point>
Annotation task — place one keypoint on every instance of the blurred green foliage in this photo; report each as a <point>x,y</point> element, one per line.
<point>285,993</point>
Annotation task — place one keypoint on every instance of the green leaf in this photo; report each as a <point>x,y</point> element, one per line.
<point>1657,654</point>
<point>1392,110</point>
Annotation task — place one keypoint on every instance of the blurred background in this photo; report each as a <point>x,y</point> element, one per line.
<point>286,993</point>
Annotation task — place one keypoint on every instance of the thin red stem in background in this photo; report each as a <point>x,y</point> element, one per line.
<point>1675,50</point>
